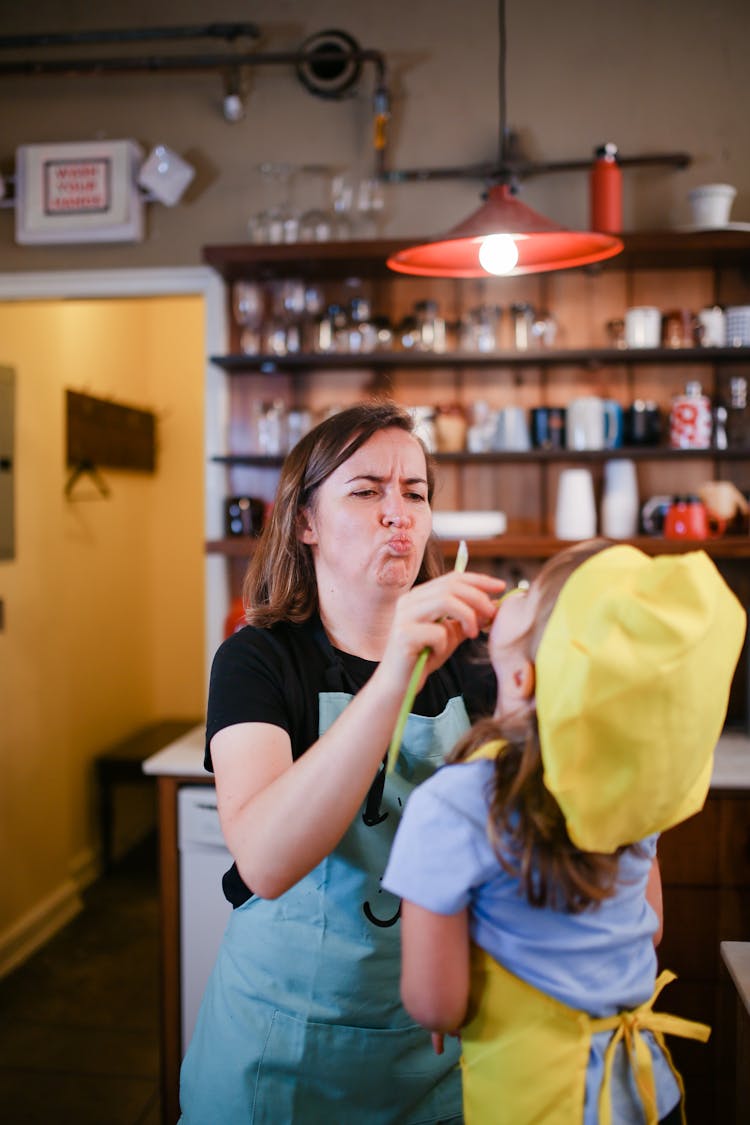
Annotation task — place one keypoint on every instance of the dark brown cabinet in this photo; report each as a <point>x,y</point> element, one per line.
<point>705,865</point>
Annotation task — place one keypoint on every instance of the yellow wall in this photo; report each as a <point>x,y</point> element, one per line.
<point>104,600</point>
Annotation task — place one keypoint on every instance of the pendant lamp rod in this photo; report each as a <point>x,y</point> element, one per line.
<point>501,85</point>
<point>511,164</point>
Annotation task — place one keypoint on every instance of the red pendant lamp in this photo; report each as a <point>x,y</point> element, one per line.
<point>504,237</point>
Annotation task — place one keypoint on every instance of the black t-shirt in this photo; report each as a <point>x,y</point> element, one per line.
<point>276,676</point>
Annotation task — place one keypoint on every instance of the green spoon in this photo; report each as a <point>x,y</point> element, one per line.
<point>462,558</point>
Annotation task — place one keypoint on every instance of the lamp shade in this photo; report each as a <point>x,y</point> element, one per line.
<point>541,244</point>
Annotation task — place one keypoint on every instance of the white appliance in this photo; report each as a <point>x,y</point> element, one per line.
<point>204,911</point>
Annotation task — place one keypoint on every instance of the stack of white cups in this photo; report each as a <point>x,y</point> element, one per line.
<point>620,506</point>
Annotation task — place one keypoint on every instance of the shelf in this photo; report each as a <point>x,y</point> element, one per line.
<point>533,456</point>
<point>534,546</point>
<point>589,357</point>
<point>667,249</point>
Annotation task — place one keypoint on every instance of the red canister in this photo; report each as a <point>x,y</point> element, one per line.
<point>690,419</point>
<point>605,187</point>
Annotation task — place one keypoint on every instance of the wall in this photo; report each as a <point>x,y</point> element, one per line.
<point>104,598</point>
<point>103,582</point>
<point>652,77</point>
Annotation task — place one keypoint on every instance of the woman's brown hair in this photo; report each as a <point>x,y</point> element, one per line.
<point>526,823</point>
<point>280,581</point>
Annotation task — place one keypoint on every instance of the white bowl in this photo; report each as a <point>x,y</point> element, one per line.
<point>468,525</point>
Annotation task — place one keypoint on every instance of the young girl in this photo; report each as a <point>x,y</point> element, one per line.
<point>528,866</point>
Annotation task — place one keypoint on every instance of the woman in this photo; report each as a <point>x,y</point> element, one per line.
<point>301,1021</point>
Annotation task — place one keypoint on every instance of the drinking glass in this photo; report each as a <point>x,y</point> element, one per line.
<point>278,221</point>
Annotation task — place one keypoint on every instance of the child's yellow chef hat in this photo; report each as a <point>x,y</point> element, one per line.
<point>632,682</point>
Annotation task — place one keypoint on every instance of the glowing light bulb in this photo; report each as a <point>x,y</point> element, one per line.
<point>498,253</point>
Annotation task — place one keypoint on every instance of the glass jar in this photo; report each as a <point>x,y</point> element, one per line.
<point>430,327</point>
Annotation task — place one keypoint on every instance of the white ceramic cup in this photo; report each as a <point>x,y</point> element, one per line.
<point>512,429</point>
<point>643,327</point>
<point>712,326</point>
<point>620,507</point>
<point>575,509</point>
<point>738,326</point>
<point>589,423</point>
<point>711,203</point>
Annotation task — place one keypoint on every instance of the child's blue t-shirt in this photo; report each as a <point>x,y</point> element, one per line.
<point>600,961</point>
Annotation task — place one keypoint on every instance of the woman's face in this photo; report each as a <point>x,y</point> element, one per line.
<point>371,519</point>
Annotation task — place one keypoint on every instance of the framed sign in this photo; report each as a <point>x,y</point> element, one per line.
<point>75,192</point>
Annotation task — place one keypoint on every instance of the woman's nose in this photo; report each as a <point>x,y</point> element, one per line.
<point>396,517</point>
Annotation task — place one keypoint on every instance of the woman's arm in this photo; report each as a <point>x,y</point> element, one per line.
<point>653,897</point>
<point>280,817</point>
<point>435,966</point>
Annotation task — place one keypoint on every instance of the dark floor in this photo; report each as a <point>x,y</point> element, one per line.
<point>79,1021</point>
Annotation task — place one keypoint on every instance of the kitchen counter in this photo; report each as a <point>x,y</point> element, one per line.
<point>184,758</point>
<point>736,957</point>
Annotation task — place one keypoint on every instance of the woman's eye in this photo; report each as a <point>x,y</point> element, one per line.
<point>364,492</point>
<point>416,496</point>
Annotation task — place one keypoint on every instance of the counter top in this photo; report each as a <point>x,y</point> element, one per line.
<point>736,957</point>
<point>184,758</point>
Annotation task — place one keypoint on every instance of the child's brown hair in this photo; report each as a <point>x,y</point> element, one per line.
<point>526,824</point>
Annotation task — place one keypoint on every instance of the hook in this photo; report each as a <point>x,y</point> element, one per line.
<point>86,468</point>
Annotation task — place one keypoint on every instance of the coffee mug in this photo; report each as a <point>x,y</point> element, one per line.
<point>712,327</point>
<point>653,514</point>
<point>678,329</point>
<point>593,423</point>
<point>512,430</point>
<point>243,515</point>
<point>548,427</point>
<point>643,327</point>
<point>575,509</point>
<point>738,326</point>
<point>687,518</point>
<point>711,204</point>
<point>642,423</point>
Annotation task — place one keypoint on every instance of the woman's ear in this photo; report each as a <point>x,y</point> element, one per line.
<point>305,529</point>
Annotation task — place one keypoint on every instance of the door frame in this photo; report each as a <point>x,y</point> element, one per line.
<point>164,282</point>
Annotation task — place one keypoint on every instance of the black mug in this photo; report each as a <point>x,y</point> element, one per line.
<point>243,515</point>
<point>642,423</point>
<point>548,427</point>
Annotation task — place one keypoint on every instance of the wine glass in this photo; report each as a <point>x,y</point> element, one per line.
<point>317,220</point>
<point>248,306</point>
<point>278,221</point>
<point>370,204</point>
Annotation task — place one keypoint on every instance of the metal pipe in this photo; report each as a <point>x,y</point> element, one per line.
<point>31,67</point>
<point>228,31</point>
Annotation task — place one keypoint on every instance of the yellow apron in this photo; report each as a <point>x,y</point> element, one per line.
<point>525,1054</point>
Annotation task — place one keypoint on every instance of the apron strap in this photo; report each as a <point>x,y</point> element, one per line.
<point>627,1027</point>
<point>487,750</point>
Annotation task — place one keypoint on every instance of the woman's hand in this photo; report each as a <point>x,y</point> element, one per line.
<point>439,615</point>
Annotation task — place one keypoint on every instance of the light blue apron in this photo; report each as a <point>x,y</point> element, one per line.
<point>301,1022</point>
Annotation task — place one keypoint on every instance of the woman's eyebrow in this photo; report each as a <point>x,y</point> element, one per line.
<point>379,480</point>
